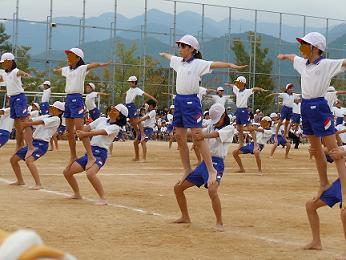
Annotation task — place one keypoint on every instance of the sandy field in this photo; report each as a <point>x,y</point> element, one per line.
<point>264,216</point>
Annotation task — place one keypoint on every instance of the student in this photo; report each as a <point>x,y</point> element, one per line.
<point>75,74</point>
<point>338,112</point>
<point>18,100</point>
<point>46,126</point>
<point>242,113</point>
<point>331,96</point>
<point>58,134</point>
<point>296,116</point>
<point>220,97</point>
<point>318,123</point>
<point>47,91</point>
<point>90,99</point>
<point>287,108</point>
<point>341,131</point>
<point>148,122</point>
<point>263,134</point>
<point>131,95</point>
<point>188,113</point>
<point>218,136</point>
<point>331,196</point>
<point>279,139</point>
<point>6,124</point>
<point>103,131</point>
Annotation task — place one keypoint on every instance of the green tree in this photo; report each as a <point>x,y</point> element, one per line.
<point>263,67</point>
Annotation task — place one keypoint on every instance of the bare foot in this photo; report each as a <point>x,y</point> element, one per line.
<point>74,197</point>
<point>182,220</point>
<point>260,173</point>
<point>101,202</point>
<point>90,163</point>
<point>17,183</point>
<point>135,159</point>
<point>313,246</point>
<point>240,171</point>
<point>144,161</point>
<point>219,228</point>
<point>271,157</point>
<point>286,157</point>
<point>341,257</point>
<point>29,153</point>
<point>35,187</point>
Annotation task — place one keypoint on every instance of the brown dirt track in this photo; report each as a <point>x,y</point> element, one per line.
<point>264,216</point>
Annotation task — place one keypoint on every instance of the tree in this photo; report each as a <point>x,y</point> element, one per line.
<point>263,67</point>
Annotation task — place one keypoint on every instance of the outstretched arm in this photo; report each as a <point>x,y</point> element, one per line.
<point>225,65</point>
<point>23,74</point>
<point>168,94</point>
<point>83,134</point>
<point>344,63</point>
<point>57,71</point>
<point>341,92</point>
<point>102,94</point>
<point>98,65</point>
<point>166,55</point>
<point>273,94</point>
<point>149,96</point>
<point>287,57</point>
<point>257,89</point>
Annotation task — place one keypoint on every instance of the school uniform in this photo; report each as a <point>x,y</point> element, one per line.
<point>281,140</point>
<point>41,136</point>
<point>131,95</point>
<point>339,114</point>
<point>187,105</point>
<point>331,98</point>
<point>296,109</point>
<point>333,194</point>
<point>242,112</point>
<point>287,105</point>
<point>6,126</point>
<point>74,105</point>
<point>18,100</point>
<point>201,93</point>
<point>221,100</point>
<point>341,127</point>
<point>315,79</point>
<point>62,127</point>
<point>170,123</point>
<point>218,148</point>
<point>261,137</point>
<point>44,106</point>
<point>100,144</point>
<point>149,124</point>
<point>90,104</point>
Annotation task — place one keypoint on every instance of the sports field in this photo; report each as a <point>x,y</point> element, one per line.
<point>264,216</point>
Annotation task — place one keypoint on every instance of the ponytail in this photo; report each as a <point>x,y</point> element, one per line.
<point>197,55</point>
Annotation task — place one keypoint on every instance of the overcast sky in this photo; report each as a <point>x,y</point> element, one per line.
<point>39,9</point>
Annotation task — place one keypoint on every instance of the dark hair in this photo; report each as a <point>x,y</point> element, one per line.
<point>122,120</point>
<point>290,86</point>
<point>151,102</point>
<point>14,65</point>
<point>79,63</point>
<point>226,121</point>
<point>197,55</point>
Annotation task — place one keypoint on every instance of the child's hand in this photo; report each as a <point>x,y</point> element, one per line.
<point>281,56</point>
<point>198,136</point>
<point>337,153</point>
<point>81,134</point>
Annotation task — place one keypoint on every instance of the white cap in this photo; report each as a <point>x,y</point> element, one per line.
<point>122,109</point>
<point>132,78</point>
<point>205,112</point>
<point>273,115</point>
<point>257,110</point>
<point>289,85</point>
<point>315,39</point>
<point>7,56</point>
<point>331,89</point>
<point>47,82</point>
<point>59,105</point>
<point>219,89</point>
<point>266,118</point>
<point>76,51</point>
<point>171,107</point>
<point>92,85</point>
<point>36,105</point>
<point>189,40</point>
<point>215,112</point>
<point>241,79</point>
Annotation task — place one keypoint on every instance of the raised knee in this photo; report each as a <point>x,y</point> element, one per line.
<point>309,205</point>
<point>212,191</point>
<point>177,189</point>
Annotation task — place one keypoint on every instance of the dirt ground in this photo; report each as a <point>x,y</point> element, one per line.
<point>264,216</point>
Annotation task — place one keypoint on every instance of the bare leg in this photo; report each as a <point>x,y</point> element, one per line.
<point>79,123</point>
<point>278,128</point>
<point>258,161</point>
<point>343,219</point>
<point>198,153</point>
<point>286,129</point>
<point>34,172</point>
<point>288,148</point>
<point>19,135</point>
<point>16,168</point>
<point>275,145</point>
<point>111,150</point>
<point>240,135</point>
<point>144,149</point>
<point>51,145</point>
<point>181,199</point>
<point>216,204</point>
<point>180,135</point>
<point>27,134</point>
<point>237,158</point>
<point>71,140</point>
<point>68,173</point>
<point>136,147</point>
<point>96,183</point>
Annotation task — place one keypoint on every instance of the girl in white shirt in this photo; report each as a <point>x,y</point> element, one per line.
<point>47,91</point>
<point>75,74</point>
<point>188,113</point>
<point>218,136</point>
<point>46,126</point>
<point>6,125</point>
<point>90,100</point>
<point>103,131</point>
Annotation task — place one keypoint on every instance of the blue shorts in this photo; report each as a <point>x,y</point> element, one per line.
<point>250,147</point>
<point>200,175</point>
<point>187,111</point>
<point>41,147</point>
<point>44,108</point>
<point>242,116</point>
<point>281,140</point>
<point>94,113</point>
<point>61,129</point>
<point>4,137</point>
<point>296,118</point>
<point>286,113</point>
<point>169,128</point>
<point>339,120</point>
<point>148,132</point>
<point>19,106</point>
<point>74,106</point>
<point>317,118</point>
<point>333,194</point>
<point>131,107</point>
<point>100,155</point>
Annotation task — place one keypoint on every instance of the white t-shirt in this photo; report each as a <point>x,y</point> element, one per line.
<point>74,79</point>
<point>315,78</point>
<point>343,135</point>
<point>6,122</point>
<point>242,96</point>
<point>331,98</point>
<point>104,141</point>
<point>132,93</point>
<point>201,93</point>
<point>206,122</point>
<point>47,130</point>
<point>34,114</point>
<point>219,146</point>
<point>14,84</point>
<point>296,108</point>
<point>281,129</point>
<point>170,118</point>
<point>338,112</point>
<point>151,121</point>
<point>221,100</point>
<point>3,76</point>
<point>287,100</point>
<point>46,95</point>
<point>189,74</point>
<point>263,138</point>
<point>90,100</point>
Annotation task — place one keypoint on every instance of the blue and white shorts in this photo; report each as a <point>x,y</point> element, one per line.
<point>187,111</point>
<point>242,116</point>
<point>248,148</point>
<point>131,107</point>
<point>4,137</point>
<point>100,155</point>
<point>74,106</point>
<point>41,148</point>
<point>19,106</point>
